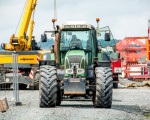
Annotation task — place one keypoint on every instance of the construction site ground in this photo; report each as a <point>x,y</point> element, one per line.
<point>128,103</point>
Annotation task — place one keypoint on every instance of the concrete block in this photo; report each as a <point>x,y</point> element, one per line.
<point>3,104</point>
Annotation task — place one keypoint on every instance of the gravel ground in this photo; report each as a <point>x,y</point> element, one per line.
<point>128,103</point>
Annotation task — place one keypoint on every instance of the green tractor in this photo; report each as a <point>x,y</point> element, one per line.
<point>75,67</point>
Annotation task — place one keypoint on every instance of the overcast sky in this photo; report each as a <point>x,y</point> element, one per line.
<point>125,17</point>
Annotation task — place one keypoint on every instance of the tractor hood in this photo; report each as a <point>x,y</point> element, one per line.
<point>75,53</point>
<point>75,62</point>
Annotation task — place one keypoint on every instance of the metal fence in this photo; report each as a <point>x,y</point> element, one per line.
<point>15,80</point>
<point>4,85</point>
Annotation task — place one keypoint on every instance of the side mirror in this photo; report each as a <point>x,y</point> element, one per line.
<point>43,38</point>
<point>107,37</point>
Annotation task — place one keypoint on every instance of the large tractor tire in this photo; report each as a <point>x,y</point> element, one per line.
<point>102,97</point>
<point>48,86</point>
<point>36,81</point>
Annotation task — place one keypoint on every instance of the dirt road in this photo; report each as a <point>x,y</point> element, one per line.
<point>128,103</point>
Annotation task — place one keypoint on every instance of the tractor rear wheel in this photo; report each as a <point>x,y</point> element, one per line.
<point>102,97</point>
<point>48,86</point>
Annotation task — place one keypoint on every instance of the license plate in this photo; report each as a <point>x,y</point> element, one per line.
<point>117,70</point>
<point>74,80</point>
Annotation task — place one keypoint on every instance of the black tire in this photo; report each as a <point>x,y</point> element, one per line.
<point>48,86</point>
<point>36,81</point>
<point>115,85</point>
<point>59,96</point>
<point>104,84</point>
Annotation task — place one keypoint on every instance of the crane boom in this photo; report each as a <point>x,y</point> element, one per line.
<point>20,42</point>
<point>30,6</point>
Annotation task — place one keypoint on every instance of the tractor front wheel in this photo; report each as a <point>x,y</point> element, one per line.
<point>102,97</point>
<point>48,86</point>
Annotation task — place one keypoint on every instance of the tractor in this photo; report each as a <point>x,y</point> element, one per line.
<point>77,66</point>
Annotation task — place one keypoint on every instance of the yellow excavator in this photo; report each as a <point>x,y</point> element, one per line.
<point>29,53</point>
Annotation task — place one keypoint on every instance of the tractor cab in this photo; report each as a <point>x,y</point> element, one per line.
<point>76,38</point>
<point>75,53</point>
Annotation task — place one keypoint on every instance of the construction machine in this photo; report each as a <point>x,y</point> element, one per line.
<point>110,53</point>
<point>136,54</point>
<point>145,71</point>
<point>29,53</point>
<point>148,47</point>
<point>79,66</point>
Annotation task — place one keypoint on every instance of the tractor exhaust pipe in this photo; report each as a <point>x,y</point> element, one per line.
<point>97,20</point>
<point>55,16</point>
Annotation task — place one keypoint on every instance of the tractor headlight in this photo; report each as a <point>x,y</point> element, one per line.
<point>80,71</point>
<point>69,71</point>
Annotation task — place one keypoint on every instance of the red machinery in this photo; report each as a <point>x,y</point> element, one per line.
<point>133,51</point>
<point>148,43</point>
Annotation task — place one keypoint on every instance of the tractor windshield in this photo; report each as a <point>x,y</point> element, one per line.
<point>101,37</point>
<point>76,40</point>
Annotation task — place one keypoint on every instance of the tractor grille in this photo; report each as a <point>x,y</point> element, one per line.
<point>75,59</point>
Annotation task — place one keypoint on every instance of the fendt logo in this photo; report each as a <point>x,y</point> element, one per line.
<point>24,59</point>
